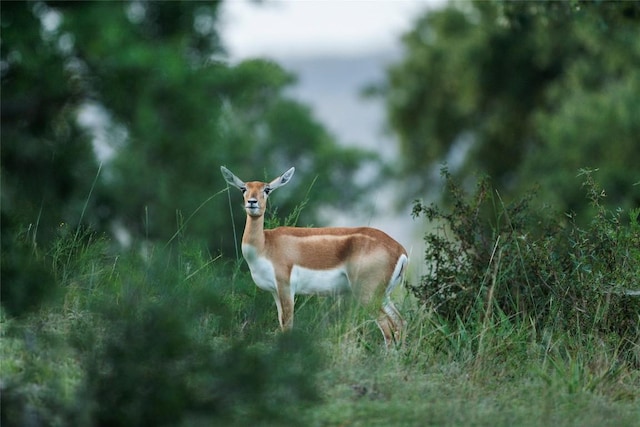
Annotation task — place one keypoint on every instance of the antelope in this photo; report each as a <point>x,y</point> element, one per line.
<point>295,260</point>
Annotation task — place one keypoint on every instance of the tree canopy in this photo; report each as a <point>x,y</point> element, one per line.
<point>526,92</point>
<point>119,115</point>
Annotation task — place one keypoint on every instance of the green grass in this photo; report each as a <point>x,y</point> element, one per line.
<point>173,335</point>
<point>198,329</point>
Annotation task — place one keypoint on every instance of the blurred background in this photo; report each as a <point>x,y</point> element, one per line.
<point>116,116</point>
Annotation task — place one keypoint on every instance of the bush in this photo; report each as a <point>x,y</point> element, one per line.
<point>532,264</point>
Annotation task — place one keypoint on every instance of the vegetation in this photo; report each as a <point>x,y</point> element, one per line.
<point>517,328</point>
<point>533,264</point>
<point>525,92</point>
<point>121,304</point>
<point>169,337</point>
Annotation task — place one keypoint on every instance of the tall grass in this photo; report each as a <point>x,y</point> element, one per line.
<point>161,337</point>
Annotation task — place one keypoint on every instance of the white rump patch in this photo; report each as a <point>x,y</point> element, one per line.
<point>396,277</point>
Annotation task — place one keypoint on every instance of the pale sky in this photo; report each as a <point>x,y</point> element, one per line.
<point>286,28</point>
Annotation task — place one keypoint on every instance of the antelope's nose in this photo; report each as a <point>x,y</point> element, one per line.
<point>252,203</point>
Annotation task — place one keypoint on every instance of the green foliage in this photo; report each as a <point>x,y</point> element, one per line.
<point>526,92</point>
<point>26,279</point>
<point>525,265</point>
<point>159,338</point>
<point>47,161</point>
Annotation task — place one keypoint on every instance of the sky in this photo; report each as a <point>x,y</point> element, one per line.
<point>302,28</point>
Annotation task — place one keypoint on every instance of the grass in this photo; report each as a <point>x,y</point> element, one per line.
<point>176,336</point>
<point>440,379</point>
<point>116,315</point>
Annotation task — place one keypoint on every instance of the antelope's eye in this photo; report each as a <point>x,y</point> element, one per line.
<point>243,189</point>
<point>267,190</point>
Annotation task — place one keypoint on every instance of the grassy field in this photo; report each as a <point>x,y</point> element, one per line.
<point>169,334</point>
<point>177,337</point>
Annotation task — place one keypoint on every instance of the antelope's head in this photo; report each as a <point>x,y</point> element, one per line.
<point>255,193</point>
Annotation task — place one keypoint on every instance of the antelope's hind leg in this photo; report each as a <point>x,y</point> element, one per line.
<point>391,324</point>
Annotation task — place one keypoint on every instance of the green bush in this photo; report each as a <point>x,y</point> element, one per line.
<point>530,264</point>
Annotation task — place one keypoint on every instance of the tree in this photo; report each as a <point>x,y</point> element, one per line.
<point>523,91</point>
<point>173,110</point>
<point>47,160</point>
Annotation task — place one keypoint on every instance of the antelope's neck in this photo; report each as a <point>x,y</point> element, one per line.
<point>254,232</point>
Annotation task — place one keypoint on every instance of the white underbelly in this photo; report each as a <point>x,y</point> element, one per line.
<point>302,280</point>
<point>306,281</point>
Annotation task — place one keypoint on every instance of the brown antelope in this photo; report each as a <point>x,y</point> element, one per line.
<point>293,260</point>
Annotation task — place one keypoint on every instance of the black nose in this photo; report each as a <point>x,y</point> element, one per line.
<point>252,202</point>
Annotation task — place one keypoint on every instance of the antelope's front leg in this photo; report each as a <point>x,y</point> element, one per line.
<point>285,302</point>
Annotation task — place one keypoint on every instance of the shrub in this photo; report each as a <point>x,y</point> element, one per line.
<point>531,263</point>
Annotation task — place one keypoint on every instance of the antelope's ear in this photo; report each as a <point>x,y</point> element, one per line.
<point>231,178</point>
<point>282,179</point>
